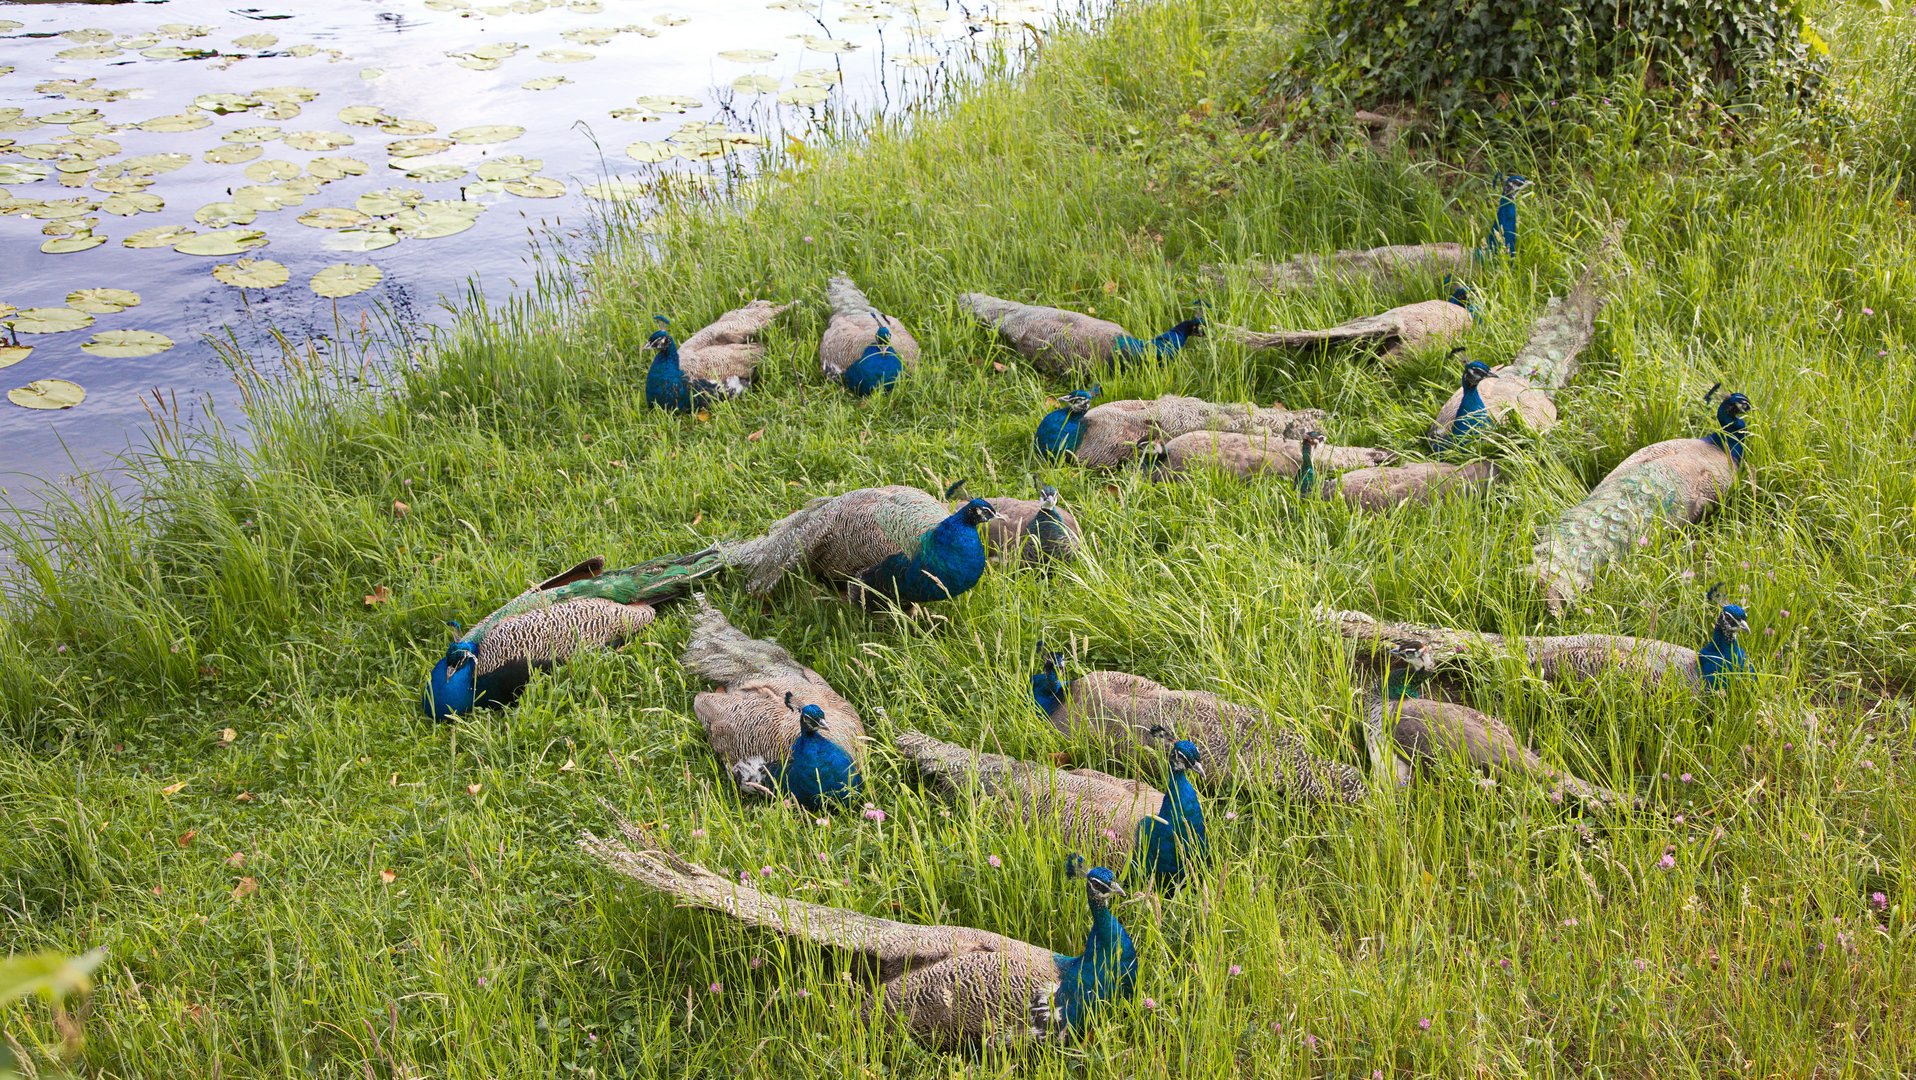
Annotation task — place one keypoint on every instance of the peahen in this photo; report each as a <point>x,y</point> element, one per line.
<point>1130,714</point>
<point>853,332</point>
<point>1394,263</point>
<point>1246,456</point>
<point>1385,486</point>
<point>1059,342</point>
<point>1546,363</point>
<point>1031,532</point>
<point>715,363</point>
<point>775,723</point>
<point>1398,328</point>
<point>1109,434</point>
<point>1673,482</point>
<point>1402,730</point>
<point>891,543</point>
<point>954,987</point>
<point>1651,662</point>
<point>1110,819</point>
<point>588,606</point>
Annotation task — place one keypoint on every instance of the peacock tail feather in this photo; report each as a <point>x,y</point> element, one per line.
<point>647,583</point>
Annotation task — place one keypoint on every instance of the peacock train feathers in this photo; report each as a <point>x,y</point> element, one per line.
<point>1246,456</point>
<point>1132,715</point>
<point>1059,342</point>
<point>1547,362</point>
<point>1398,328</point>
<point>1673,482</point>
<point>890,543</point>
<point>1577,657</point>
<point>588,606</point>
<point>1032,532</point>
<point>1403,730</point>
<point>775,723</point>
<point>1385,486</point>
<point>862,347</point>
<point>954,987</point>
<point>715,363</point>
<point>1109,819</point>
<point>1109,434</point>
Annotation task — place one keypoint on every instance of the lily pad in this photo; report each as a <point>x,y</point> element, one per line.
<point>128,205</point>
<point>126,344</point>
<point>650,152</point>
<point>13,354</point>
<point>256,41</point>
<point>369,239</point>
<point>748,56</point>
<point>319,140</point>
<point>267,198</point>
<point>364,115</point>
<point>252,274</point>
<point>388,201</point>
<point>478,63</point>
<point>123,185</point>
<point>222,242</point>
<point>333,217</point>
<point>545,82</point>
<point>257,133</point>
<point>335,168</point>
<point>436,218</point>
<point>671,20</point>
<point>397,126</point>
<point>818,77</point>
<point>225,103</point>
<point>155,164</point>
<point>804,95</point>
<point>47,394</point>
<point>89,52</point>
<point>102,301</point>
<point>286,94</point>
<point>272,169</point>
<point>346,279</point>
<point>12,172</point>
<point>509,167</point>
<point>487,133</point>
<point>825,45</point>
<point>437,173</point>
<point>66,245</point>
<point>755,84</point>
<point>47,320</point>
<point>410,148</point>
<point>673,103</point>
<point>233,153</point>
<point>536,187</point>
<point>565,56</point>
<point>158,236</point>
<point>618,189</point>
<point>221,214</point>
<point>915,60</point>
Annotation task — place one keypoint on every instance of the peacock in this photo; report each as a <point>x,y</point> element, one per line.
<point>1395,262</point>
<point>954,987</point>
<point>1113,820</point>
<point>775,723</point>
<point>1129,713</point>
<point>885,543</point>
<point>1402,729</point>
<point>1032,532</point>
<point>1651,662</point>
<point>588,606</point>
<point>1059,342</point>
<point>1398,328</point>
<point>1246,456</point>
<point>1546,363</point>
<point>715,363</point>
<point>1673,482</point>
<point>1385,486</point>
<point>862,347</point>
<point>1109,434</point>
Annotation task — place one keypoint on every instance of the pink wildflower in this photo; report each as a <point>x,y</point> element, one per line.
<point>994,861</point>
<point>1687,778</point>
<point>1423,1023</point>
<point>1667,863</point>
<point>1879,901</point>
<point>717,988</point>
<point>1236,971</point>
<point>874,814</point>
<point>698,834</point>
<point>1150,1003</point>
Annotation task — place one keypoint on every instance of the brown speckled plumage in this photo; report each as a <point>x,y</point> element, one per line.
<point>1426,320</point>
<point>1132,715</point>
<point>1573,656</point>
<point>853,326</point>
<point>1255,455</point>
<point>1056,341</point>
<point>1012,540</point>
<point>1098,813</point>
<point>835,537</point>
<point>746,718</point>
<point>954,987</point>
<point>1110,433</point>
<point>1384,487</point>
<point>723,353</point>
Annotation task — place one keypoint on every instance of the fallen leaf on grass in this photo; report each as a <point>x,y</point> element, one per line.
<point>569,765</point>
<point>173,789</point>
<point>379,595</point>
<point>474,789</point>
<point>401,509</point>
<point>187,837</point>
<point>387,877</point>
<point>247,886</point>
<point>754,436</point>
<point>244,796</point>
<point>236,859</point>
<point>227,735</point>
<point>998,367</point>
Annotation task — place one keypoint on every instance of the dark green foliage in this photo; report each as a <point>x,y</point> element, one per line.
<point>1442,57</point>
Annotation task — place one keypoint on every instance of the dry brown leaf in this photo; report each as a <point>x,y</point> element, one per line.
<point>569,765</point>
<point>247,886</point>
<point>1110,288</point>
<point>698,517</point>
<point>1060,759</point>
<point>753,437</point>
<point>401,509</point>
<point>173,789</point>
<point>474,789</point>
<point>187,837</point>
<point>236,859</point>
<point>244,796</point>
<point>998,367</point>
<point>387,877</point>
<point>379,595</point>
<point>227,735</point>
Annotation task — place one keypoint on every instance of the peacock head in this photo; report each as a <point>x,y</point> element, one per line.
<point>1190,328</point>
<point>1185,757</point>
<point>1460,294</point>
<point>1512,183</point>
<point>1047,495</point>
<point>976,512</point>
<point>1047,683</point>
<point>1415,656</point>
<point>1100,885</point>
<point>1314,439</point>
<point>453,689</point>
<point>1732,620</point>
<point>1731,411</point>
<point>883,336</point>
<point>1077,402</point>
<point>661,335</point>
<point>1476,371</point>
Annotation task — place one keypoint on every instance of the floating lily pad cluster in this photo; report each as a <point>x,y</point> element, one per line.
<point>77,314</point>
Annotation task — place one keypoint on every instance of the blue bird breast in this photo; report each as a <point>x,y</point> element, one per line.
<point>1174,842</point>
<point>820,771</point>
<point>666,386</point>
<point>1720,659</point>
<point>949,561</point>
<point>1107,970</point>
<point>876,370</point>
<point>454,693</point>
<point>1060,432</point>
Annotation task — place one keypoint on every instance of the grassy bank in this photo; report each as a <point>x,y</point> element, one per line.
<point>210,762</point>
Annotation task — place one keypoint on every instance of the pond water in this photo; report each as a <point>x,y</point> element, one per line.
<point>176,173</point>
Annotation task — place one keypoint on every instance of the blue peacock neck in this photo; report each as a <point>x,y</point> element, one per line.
<point>1182,810</point>
<point>1730,438</point>
<point>1060,432</point>
<point>665,383</point>
<point>1399,685</point>
<point>1048,692</point>
<point>1306,472</point>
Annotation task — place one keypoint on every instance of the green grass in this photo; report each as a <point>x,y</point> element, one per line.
<point>1533,940</point>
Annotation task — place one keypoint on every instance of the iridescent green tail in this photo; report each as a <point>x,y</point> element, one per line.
<point>649,582</point>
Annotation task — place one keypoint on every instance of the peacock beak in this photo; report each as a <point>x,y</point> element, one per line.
<point>1742,626</point>
<point>1197,767</point>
